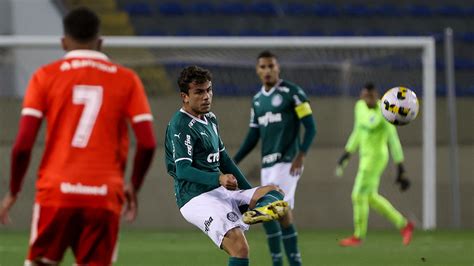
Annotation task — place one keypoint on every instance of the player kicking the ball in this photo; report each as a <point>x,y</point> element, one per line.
<point>210,189</point>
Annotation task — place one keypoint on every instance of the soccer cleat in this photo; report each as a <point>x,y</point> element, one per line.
<point>270,212</point>
<point>351,241</point>
<point>407,233</point>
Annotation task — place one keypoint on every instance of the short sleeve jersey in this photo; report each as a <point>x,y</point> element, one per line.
<point>87,101</point>
<point>195,140</point>
<point>273,113</point>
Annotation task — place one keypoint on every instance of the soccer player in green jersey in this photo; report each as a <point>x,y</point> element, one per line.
<point>277,112</point>
<point>370,135</point>
<point>210,190</point>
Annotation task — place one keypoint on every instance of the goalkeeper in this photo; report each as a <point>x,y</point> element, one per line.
<point>371,134</point>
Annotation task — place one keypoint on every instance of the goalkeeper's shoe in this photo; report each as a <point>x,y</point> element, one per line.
<point>407,233</point>
<point>270,212</point>
<point>351,241</point>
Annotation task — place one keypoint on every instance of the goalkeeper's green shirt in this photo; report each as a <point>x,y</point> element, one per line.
<point>371,134</point>
<point>191,139</point>
<point>274,114</point>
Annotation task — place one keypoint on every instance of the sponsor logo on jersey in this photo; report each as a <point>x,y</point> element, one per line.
<point>269,118</point>
<point>232,216</point>
<point>191,123</point>
<point>187,142</point>
<point>207,223</point>
<point>213,157</point>
<point>177,135</point>
<point>271,158</point>
<point>81,63</point>
<point>277,100</point>
<point>68,188</point>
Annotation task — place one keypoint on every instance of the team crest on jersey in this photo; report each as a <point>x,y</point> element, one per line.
<point>277,100</point>
<point>233,217</point>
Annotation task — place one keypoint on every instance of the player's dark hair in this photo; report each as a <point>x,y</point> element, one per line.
<point>266,54</point>
<point>369,86</point>
<point>81,24</point>
<point>192,74</point>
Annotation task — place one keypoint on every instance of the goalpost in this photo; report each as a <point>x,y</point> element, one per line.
<point>353,58</point>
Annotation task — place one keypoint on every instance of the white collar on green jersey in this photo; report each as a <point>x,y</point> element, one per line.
<point>268,93</point>
<point>83,53</point>
<point>195,118</point>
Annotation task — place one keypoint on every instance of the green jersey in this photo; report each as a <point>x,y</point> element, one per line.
<point>273,113</point>
<point>371,134</point>
<point>196,140</point>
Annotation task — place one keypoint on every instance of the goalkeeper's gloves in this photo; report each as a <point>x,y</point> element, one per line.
<point>401,180</point>
<point>342,163</point>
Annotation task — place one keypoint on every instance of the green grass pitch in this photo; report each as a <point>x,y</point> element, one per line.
<point>318,247</point>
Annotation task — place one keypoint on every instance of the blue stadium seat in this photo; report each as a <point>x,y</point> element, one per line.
<point>262,9</point>
<point>462,63</point>
<point>449,10</point>
<point>357,10</point>
<point>469,11</point>
<point>374,32</point>
<point>251,32</point>
<point>171,9</point>
<point>186,32</point>
<point>325,10</point>
<point>218,32</point>
<point>138,9</point>
<point>202,8</point>
<point>467,37</point>
<point>410,33</point>
<point>231,8</point>
<point>281,32</point>
<point>417,10</point>
<point>152,32</point>
<point>387,10</point>
<point>312,32</point>
<point>296,9</point>
<point>344,32</point>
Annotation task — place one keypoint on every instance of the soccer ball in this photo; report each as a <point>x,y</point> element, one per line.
<point>399,105</point>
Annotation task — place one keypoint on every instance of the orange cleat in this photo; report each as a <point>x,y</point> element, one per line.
<point>407,233</point>
<point>350,242</point>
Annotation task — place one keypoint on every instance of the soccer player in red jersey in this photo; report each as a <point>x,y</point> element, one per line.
<point>87,102</point>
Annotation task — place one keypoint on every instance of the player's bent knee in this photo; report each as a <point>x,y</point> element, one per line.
<point>235,244</point>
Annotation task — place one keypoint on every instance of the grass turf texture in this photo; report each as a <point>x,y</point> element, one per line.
<point>191,247</point>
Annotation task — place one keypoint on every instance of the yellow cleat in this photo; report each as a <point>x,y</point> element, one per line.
<point>270,212</point>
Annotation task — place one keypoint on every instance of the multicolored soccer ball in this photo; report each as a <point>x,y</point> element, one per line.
<point>399,105</point>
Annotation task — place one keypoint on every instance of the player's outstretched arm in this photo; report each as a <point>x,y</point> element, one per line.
<point>20,159</point>
<point>146,145</point>
<point>227,166</point>
<point>251,140</point>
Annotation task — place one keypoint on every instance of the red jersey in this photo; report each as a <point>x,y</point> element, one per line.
<point>87,101</point>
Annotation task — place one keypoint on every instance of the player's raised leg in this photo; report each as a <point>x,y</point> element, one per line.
<point>266,205</point>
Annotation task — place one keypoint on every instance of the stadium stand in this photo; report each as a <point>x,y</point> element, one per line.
<point>294,18</point>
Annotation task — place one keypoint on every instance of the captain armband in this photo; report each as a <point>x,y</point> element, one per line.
<point>303,110</point>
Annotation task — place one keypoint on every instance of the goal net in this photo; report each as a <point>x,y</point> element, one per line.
<point>331,70</point>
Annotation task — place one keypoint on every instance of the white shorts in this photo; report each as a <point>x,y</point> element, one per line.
<point>279,174</point>
<point>217,211</point>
